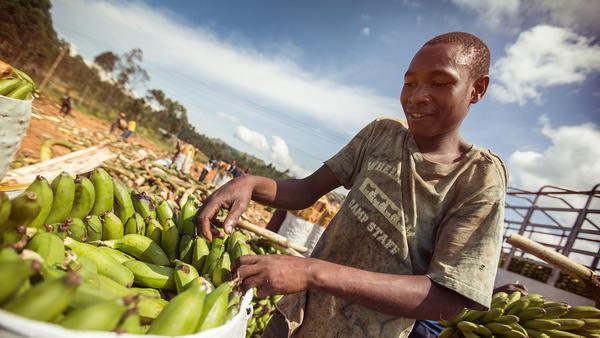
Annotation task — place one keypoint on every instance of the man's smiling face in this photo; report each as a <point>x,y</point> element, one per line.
<point>438,89</point>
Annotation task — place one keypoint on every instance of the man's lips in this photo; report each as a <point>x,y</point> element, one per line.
<point>418,114</point>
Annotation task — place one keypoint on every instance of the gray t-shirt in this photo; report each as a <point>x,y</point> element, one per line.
<point>405,215</point>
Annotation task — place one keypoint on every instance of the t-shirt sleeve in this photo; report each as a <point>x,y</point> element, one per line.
<point>346,164</point>
<point>468,247</point>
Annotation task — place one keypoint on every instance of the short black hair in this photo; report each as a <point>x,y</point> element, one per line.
<point>480,53</point>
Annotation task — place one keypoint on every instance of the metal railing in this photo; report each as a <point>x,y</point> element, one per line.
<point>563,219</point>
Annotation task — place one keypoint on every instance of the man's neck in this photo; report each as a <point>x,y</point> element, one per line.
<point>444,148</point>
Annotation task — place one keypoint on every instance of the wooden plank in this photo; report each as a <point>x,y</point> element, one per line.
<point>74,163</point>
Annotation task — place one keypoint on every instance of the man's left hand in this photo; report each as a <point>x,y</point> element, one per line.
<point>274,274</point>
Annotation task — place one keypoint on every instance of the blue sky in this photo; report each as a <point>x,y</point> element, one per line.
<point>292,81</point>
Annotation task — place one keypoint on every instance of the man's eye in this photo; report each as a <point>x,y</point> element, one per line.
<point>439,84</point>
<point>409,84</point>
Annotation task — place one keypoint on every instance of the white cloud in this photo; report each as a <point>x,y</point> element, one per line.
<point>280,154</point>
<point>366,31</point>
<point>251,137</point>
<point>542,57</point>
<point>570,161</point>
<point>228,117</point>
<point>580,15</point>
<point>239,70</point>
<point>492,13</point>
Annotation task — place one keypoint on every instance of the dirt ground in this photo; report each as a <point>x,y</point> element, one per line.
<point>48,123</point>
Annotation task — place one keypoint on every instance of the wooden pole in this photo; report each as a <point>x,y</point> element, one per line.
<point>53,67</point>
<point>271,236</point>
<point>560,261</point>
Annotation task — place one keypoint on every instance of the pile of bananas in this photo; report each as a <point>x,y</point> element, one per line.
<point>530,269</point>
<point>15,83</point>
<point>518,316</point>
<point>96,256</point>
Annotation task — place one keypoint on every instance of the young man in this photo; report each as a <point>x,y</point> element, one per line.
<point>419,234</point>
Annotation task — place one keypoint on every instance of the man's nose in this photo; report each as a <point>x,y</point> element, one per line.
<point>419,95</point>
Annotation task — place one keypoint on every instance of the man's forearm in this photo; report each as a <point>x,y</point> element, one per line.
<point>398,295</point>
<point>287,194</point>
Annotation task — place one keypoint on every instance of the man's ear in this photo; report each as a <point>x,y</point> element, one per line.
<point>479,88</point>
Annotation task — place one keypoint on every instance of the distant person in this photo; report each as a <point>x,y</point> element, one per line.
<point>189,159</point>
<point>207,168</point>
<point>234,169</point>
<point>120,123</point>
<point>65,104</point>
<point>131,125</point>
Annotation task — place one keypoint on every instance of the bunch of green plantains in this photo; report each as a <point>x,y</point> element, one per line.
<point>520,316</point>
<point>87,253</point>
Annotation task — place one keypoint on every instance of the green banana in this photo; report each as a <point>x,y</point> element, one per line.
<point>508,319</point>
<point>76,229</point>
<point>146,292</point>
<point>590,323</point>
<point>483,331</point>
<point>135,225</point>
<point>49,246</point>
<point>536,334</point>
<point>52,272</point>
<point>131,323</point>
<point>104,189</point>
<point>5,207</point>
<point>466,326</point>
<point>45,197</point>
<point>150,308</point>
<point>531,313</point>
<point>234,238</point>
<point>581,311</point>
<point>169,240</point>
<point>8,254</point>
<point>498,328</point>
<point>541,324</point>
<point>499,296</point>
<point>151,275</point>
<point>85,195</point>
<point>241,249</point>
<point>9,85</point>
<point>186,248</point>
<point>117,255</point>
<point>93,226</point>
<point>516,307</point>
<point>562,334</point>
<point>88,294</point>
<point>46,300</point>
<point>569,324</point>
<point>214,311</point>
<point>491,315</point>
<point>25,208</point>
<point>112,227</point>
<point>222,270</point>
<point>21,92</point>
<point>142,204</point>
<point>107,265</point>
<point>186,218</point>
<point>514,296</point>
<point>184,274</point>
<point>23,76</point>
<point>63,189</point>
<point>216,251</point>
<point>153,230</point>
<point>140,247</point>
<point>200,252</point>
<point>163,212</point>
<point>182,315</point>
<point>123,205</point>
<point>13,274</point>
<point>555,311</point>
<point>104,316</point>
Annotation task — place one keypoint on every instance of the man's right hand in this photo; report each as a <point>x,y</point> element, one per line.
<point>233,196</point>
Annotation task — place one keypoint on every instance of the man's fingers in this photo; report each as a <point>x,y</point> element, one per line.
<point>246,271</point>
<point>234,214</point>
<point>203,219</point>
<point>265,291</point>
<point>249,259</point>
<point>252,282</point>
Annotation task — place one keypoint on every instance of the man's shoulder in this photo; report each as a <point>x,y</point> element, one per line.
<point>391,122</point>
<point>496,170</point>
